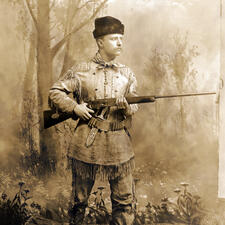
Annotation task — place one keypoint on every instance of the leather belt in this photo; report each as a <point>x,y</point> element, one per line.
<point>105,125</point>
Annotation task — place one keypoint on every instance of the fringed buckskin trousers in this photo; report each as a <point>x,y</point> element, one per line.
<point>121,185</point>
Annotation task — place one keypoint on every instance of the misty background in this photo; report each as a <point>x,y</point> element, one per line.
<point>173,48</point>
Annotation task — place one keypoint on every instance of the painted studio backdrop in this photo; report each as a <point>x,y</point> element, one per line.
<point>173,47</point>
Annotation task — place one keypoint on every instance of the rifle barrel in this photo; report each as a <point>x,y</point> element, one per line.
<point>140,99</point>
<point>98,103</point>
<point>185,95</point>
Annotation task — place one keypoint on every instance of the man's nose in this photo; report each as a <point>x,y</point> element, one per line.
<point>119,42</point>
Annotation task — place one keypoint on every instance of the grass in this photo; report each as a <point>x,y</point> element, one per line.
<point>26,199</point>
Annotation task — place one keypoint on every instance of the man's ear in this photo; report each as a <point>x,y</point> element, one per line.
<point>99,42</point>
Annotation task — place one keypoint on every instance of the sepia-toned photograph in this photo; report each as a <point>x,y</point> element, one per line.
<point>112,112</point>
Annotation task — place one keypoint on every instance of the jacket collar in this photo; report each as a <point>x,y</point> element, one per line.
<point>102,64</point>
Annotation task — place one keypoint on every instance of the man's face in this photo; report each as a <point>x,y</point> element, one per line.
<point>111,44</point>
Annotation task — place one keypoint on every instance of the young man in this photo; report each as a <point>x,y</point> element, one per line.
<point>103,147</point>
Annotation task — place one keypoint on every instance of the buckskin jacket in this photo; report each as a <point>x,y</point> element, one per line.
<point>97,80</point>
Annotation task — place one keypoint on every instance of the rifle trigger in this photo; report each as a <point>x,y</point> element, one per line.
<point>55,116</point>
<point>101,116</point>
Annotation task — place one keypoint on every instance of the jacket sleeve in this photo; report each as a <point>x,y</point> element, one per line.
<point>58,94</point>
<point>132,91</point>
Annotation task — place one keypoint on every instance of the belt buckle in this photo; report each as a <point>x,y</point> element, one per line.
<point>103,125</point>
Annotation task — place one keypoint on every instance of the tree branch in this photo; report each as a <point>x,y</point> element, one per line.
<point>52,5</point>
<point>53,26</point>
<point>75,11</point>
<point>53,37</point>
<point>85,4</point>
<point>27,4</point>
<point>66,37</point>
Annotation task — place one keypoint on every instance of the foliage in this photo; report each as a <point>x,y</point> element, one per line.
<point>174,72</point>
<point>45,205</point>
<point>51,197</point>
<point>15,212</point>
<point>97,215</point>
<point>186,209</point>
<point>173,127</point>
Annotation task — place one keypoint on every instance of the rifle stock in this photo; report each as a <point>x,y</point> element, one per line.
<point>52,117</point>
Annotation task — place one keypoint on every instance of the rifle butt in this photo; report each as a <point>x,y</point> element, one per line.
<point>51,118</point>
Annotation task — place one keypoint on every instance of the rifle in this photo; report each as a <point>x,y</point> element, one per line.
<point>53,117</point>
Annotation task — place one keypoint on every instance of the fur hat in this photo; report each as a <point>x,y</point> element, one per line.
<point>107,25</point>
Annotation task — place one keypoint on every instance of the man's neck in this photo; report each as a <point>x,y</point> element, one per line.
<point>105,57</point>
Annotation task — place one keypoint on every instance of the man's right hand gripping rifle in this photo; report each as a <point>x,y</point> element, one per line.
<point>82,111</point>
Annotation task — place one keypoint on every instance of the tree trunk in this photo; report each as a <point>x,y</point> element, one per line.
<point>44,79</point>
<point>43,53</point>
<point>182,116</point>
<point>67,62</point>
<point>182,112</point>
<point>29,122</point>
